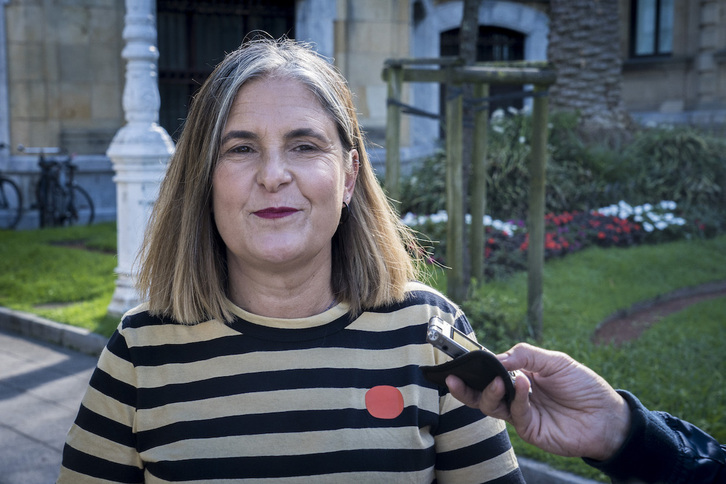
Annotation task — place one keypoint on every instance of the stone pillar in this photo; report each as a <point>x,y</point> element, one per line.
<point>140,150</point>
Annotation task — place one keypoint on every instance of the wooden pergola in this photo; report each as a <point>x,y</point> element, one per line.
<point>453,73</point>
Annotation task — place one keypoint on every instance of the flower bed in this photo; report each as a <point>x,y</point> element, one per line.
<point>616,225</point>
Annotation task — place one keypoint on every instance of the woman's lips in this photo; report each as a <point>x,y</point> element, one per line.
<point>275,212</point>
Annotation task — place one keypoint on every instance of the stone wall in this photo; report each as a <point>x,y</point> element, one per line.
<point>366,34</point>
<point>65,73</point>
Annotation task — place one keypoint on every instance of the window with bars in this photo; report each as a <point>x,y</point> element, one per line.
<point>651,28</point>
<point>194,36</point>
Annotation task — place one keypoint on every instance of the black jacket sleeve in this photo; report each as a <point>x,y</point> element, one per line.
<point>661,448</point>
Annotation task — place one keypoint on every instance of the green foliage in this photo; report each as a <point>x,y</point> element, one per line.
<point>508,174</point>
<point>587,171</point>
<point>424,192</point>
<point>679,164</point>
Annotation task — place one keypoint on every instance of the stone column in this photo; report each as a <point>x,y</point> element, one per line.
<point>140,150</point>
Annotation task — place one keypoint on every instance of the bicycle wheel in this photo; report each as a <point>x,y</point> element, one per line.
<point>81,207</point>
<point>11,204</point>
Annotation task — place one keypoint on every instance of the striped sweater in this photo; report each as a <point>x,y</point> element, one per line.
<point>325,399</point>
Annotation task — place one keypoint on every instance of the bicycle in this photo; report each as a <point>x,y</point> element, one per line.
<point>59,199</point>
<point>11,202</point>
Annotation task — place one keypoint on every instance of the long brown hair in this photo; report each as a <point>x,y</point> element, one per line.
<point>182,265</point>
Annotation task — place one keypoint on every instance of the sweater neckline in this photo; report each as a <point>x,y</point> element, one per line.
<point>296,329</point>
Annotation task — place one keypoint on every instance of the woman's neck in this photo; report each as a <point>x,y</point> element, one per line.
<point>282,295</point>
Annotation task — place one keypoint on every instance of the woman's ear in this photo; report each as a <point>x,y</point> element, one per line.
<point>351,175</point>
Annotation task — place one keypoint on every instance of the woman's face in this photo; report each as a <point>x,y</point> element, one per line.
<point>280,181</point>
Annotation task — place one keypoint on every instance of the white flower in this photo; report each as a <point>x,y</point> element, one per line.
<point>522,139</point>
<point>647,227</point>
<point>499,129</point>
<point>440,216</point>
<point>409,219</point>
<point>661,225</point>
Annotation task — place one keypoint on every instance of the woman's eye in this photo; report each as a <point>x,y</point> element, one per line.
<point>241,149</point>
<point>305,147</point>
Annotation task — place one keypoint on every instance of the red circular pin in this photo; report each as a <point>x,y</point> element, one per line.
<point>384,401</point>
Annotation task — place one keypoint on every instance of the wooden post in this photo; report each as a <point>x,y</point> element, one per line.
<point>393,133</point>
<point>453,74</point>
<point>535,222</point>
<point>454,195</point>
<point>478,185</point>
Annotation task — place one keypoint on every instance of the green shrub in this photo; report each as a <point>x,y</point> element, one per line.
<point>424,191</point>
<point>680,164</point>
<point>587,171</point>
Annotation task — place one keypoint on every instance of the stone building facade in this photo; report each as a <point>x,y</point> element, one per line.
<point>65,73</point>
<point>61,73</point>
<point>686,82</point>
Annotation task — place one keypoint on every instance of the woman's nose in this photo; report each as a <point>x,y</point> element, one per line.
<point>273,172</point>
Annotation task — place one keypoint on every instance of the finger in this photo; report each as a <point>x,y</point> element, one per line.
<point>520,407</point>
<point>524,356</point>
<point>465,394</point>
<point>492,401</point>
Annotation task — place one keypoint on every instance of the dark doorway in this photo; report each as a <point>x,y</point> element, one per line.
<point>194,36</point>
<point>493,44</point>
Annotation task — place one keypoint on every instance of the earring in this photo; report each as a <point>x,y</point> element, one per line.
<point>344,214</point>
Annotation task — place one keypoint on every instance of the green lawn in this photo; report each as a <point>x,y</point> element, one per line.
<point>64,274</point>
<point>68,275</point>
<point>676,366</point>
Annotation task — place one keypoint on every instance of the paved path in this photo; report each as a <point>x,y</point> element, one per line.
<point>41,387</point>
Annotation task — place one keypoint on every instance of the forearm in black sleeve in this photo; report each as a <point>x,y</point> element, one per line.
<point>663,449</point>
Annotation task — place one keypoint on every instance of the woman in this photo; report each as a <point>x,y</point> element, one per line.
<point>282,336</point>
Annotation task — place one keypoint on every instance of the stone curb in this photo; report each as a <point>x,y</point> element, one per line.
<point>42,329</point>
<point>90,343</point>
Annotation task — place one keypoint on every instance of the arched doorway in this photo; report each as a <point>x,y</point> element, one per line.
<point>493,44</point>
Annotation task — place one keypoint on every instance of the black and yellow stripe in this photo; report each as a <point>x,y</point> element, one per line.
<point>266,400</point>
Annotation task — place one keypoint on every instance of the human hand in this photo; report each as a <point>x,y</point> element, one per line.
<point>571,411</point>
